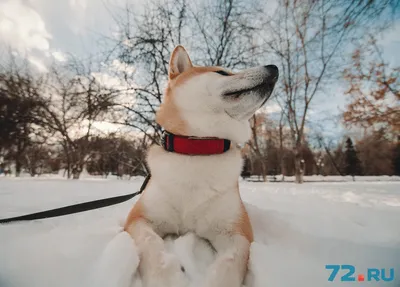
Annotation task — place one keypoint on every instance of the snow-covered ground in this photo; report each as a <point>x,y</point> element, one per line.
<point>298,230</point>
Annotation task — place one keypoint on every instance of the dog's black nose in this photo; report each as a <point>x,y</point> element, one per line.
<point>273,72</point>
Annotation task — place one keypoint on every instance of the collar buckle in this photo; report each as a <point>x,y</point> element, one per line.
<point>167,141</point>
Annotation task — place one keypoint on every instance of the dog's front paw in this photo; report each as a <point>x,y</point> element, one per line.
<point>168,272</point>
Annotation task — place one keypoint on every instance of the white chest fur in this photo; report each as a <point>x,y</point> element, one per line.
<point>192,193</point>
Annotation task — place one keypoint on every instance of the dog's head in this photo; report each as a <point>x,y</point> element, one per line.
<point>212,101</point>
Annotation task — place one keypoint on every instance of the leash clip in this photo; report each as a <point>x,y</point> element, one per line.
<point>167,141</point>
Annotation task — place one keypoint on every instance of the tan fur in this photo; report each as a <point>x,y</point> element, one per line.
<point>136,213</point>
<point>243,225</point>
<point>168,115</point>
<point>194,71</point>
<point>172,73</point>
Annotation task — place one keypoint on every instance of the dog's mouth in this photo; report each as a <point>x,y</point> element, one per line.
<point>236,94</point>
<point>264,90</point>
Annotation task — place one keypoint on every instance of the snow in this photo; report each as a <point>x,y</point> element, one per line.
<point>298,230</point>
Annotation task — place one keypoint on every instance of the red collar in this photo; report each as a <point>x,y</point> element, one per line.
<point>193,145</point>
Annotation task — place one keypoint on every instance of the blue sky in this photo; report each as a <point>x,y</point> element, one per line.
<point>48,30</point>
<point>40,28</point>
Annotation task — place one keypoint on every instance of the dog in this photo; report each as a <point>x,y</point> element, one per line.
<point>194,186</point>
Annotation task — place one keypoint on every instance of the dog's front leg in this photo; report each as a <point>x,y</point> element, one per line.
<point>230,266</point>
<point>157,268</point>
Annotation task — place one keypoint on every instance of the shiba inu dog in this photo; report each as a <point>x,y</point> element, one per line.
<point>194,174</point>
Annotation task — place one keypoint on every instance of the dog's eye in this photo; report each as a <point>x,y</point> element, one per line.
<point>222,72</point>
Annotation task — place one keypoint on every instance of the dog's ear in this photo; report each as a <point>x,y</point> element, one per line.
<point>179,62</point>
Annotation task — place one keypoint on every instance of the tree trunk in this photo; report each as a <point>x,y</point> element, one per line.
<point>282,158</point>
<point>68,169</point>
<point>68,158</point>
<point>76,171</point>
<point>18,166</point>
<point>263,170</point>
<point>332,160</point>
<point>283,171</point>
<point>251,166</point>
<point>18,163</point>
<point>298,172</point>
<point>299,169</point>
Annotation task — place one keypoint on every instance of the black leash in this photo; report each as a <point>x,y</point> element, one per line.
<point>76,208</point>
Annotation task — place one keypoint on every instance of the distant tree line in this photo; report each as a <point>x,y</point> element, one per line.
<point>375,153</point>
<point>47,123</point>
<point>26,147</point>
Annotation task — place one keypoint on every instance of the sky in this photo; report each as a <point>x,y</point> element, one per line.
<point>46,31</point>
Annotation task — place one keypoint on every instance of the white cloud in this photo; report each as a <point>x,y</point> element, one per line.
<point>272,108</point>
<point>103,127</point>
<point>38,64</point>
<point>126,89</point>
<point>78,4</point>
<point>59,56</point>
<point>22,28</point>
<point>392,35</point>
<point>118,66</point>
<point>390,42</point>
<point>82,18</point>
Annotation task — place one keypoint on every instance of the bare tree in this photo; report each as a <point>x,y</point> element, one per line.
<point>225,33</point>
<point>374,91</point>
<point>35,158</point>
<point>218,33</point>
<point>72,103</point>
<point>117,155</point>
<point>267,147</point>
<point>307,38</point>
<point>19,102</point>
<point>257,143</point>
<point>376,153</point>
<point>326,147</point>
<point>282,138</point>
